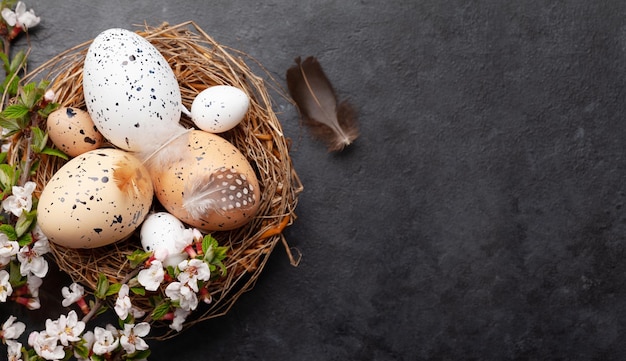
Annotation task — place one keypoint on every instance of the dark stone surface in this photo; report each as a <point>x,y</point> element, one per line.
<point>480,215</point>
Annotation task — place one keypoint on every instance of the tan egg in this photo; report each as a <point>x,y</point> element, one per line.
<point>73,131</point>
<point>210,185</point>
<point>95,199</point>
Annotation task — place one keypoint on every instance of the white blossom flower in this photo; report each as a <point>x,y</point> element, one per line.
<point>33,303</point>
<point>8,249</point>
<point>20,17</point>
<point>131,337</point>
<point>49,96</point>
<point>137,313</point>
<point>72,294</point>
<point>11,330</point>
<point>152,277</point>
<point>105,340</point>
<point>183,294</point>
<point>21,200</point>
<point>31,260</point>
<point>14,350</point>
<point>33,283</point>
<point>5,286</point>
<point>193,271</point>
<point>46,346</point>
<point>123,304</point>
<point>186,238</point>
<point>180,316</point>
<point>66,329</point>
<point>42,246</point>
<point>197,235</point>
<point>38,235</point>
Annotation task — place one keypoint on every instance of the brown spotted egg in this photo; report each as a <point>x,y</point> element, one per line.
<point>73,131</point>
<point>210,186</point>
<point>95,199</point>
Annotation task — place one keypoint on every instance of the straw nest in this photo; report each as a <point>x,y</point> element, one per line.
<point>198,62</point>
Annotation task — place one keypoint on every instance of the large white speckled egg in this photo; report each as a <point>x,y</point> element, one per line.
<point>130,90</point>
<point>95,199</point>
<point>210,186</point>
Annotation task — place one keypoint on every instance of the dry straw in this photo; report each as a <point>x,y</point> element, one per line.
<point>198,62</point>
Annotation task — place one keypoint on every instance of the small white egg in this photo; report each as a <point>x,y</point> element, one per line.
<point>219,108</point>
<point>161,231</point>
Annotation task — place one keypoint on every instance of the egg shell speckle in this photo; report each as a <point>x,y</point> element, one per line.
<point>73,131</point>
<point>130,90</point>
<point>219,108</point>
<point>204,155</point>
<point>82,206</point>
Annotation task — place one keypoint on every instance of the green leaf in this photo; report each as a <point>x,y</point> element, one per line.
<point>173,272</point>
<point>95,357</point>
<point>9,231</point>
<point>222,267</point>
<point>81,348</point>
<point>34,166</point>
<point>113,289</point>
<point>29,95</point>
<point>15,276</point>
<point>50,107</point>
<point>11,84</point>
<point>43,85</point>
<point>102,310</point>
<point>207,242</point>
<point>161,310</point>
<point>15,111</point>
<point>139,355</point>
<point>39,140</point>
<point>101,287</point>
<point>155,300</point>
<point>54,152</point>
<point>138,291</point>
<point>3,157</point>
<point>24,221</point>
<point>7,177</point>
<point>25,239</point>
<point>138,257</point>
<point>12,126</point>
<point>5,62</point>
<point>17,62</point>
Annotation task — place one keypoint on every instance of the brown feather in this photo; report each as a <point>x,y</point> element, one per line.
<point>131,180</point>
<point>315,97</point>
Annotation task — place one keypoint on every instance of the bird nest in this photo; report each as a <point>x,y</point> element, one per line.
<point>198,62</point>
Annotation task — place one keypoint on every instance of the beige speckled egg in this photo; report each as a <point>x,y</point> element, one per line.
<point>73,131</point>
<point>210,186</point>
<point>95,199</point>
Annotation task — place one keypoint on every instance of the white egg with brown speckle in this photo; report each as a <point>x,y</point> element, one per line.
<point>219,108</point>
<point>130,90</point>
<point>95,199</point>
<point>73,131</point>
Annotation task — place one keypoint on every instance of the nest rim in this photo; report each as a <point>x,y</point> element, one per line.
<point>259,137</point>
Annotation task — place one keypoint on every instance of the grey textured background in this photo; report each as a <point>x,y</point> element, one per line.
<point>479,215</point>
